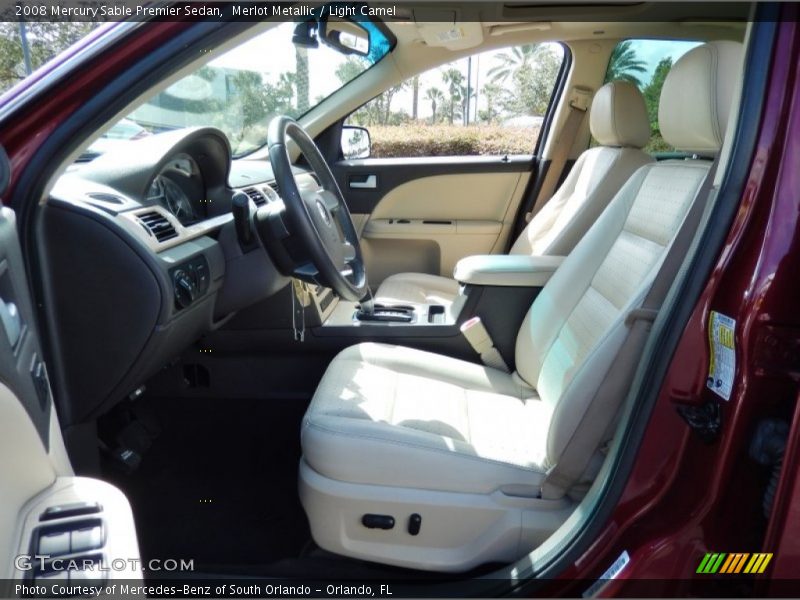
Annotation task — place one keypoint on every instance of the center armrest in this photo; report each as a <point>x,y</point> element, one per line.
<point>513,270</point>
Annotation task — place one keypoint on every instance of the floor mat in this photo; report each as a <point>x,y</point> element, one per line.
<point>219,484</point>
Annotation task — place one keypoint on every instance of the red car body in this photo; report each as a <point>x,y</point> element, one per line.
<point>682,499</point>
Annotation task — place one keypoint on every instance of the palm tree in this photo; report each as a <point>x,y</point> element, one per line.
<point>624,65</point>
<point>453,79</point>
<point>435,97</point>
<point>415,97</point>
<point>301,69</point>
<point>520,57</point>
<point>492,92</point>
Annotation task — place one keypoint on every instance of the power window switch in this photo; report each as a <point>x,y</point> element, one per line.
<point>54,544</point>
<point>88,538</point>
<point>73,509</point>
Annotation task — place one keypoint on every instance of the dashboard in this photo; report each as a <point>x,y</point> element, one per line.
<point>176,185</point>
<point>143,242</point>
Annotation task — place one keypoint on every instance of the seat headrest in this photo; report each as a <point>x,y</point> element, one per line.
<point>696,98</point>
<point>619,116</point>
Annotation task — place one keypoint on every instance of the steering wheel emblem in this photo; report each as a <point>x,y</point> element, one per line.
<point>324,212</point>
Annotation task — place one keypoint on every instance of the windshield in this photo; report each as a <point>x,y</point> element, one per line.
<point>240,91</point>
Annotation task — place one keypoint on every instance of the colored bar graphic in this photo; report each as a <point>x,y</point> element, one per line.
<point>717,563</point>
<point>735,562</point>
<point>703,563</point>
<point>741,562</point>
<point>763,566</point>
<point>728,563</point>
<point>753,564</point>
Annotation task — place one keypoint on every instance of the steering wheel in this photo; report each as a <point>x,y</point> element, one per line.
<point>311,236</point>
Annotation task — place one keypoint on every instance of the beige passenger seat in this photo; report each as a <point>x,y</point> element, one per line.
<point>619,123</point>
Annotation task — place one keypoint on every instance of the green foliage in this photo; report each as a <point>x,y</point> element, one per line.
<point>414,139</point>
<point>652,92</point>
<point>45,40</point>
<point>519,57</point>
<point>532,84</point>
<point>624,65</point>
<point>351,68</point>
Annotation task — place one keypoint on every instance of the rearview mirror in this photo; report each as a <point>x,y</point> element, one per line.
<point>347,37</point>
<point>355,142</point>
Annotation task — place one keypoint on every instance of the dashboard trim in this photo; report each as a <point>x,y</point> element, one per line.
<point>129,220</point>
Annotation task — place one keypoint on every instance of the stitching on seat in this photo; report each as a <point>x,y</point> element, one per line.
<point>322,428</point>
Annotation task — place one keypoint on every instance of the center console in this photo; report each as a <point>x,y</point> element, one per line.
<point>397,315</point>
<point>497,288</point>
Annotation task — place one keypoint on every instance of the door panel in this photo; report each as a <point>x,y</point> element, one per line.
<point>35,472</point>
<point>424,215</point>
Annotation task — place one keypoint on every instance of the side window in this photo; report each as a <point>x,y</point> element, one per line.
<point>646,64</point>
<point>491,103</point>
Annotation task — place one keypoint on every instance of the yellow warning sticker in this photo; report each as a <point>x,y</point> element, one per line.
<point>722,349</point>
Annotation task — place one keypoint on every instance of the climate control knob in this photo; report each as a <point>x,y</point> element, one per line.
<point>185,288</point>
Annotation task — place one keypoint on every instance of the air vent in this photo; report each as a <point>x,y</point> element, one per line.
<point>256,195</point>
<point>157,225</point>
<point>274,186</point>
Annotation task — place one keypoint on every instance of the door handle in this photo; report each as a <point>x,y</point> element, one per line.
<point>369,182</point>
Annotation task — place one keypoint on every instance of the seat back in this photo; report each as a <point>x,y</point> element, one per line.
<point>619,123</point>
<point>576,326</point>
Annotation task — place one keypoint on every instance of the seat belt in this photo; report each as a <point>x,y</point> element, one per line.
<point>579,100</point>
<point>595,427</point>
<point>478,337</point>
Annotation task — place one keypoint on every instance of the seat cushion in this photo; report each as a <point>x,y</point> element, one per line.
<point>389,415</point>
<point>420,288</point>
<point>596,177</point>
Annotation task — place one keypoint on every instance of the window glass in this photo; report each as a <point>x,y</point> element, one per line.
<point>241,90</point>
<point>646,63</point>
<point>491,103</point>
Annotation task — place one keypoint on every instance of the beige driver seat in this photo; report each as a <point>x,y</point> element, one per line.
<point>424,461</point>
<point>619,123</point>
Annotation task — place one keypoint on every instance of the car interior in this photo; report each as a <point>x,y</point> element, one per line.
<point>293,360</point>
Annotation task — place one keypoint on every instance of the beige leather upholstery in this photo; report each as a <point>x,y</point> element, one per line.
<point>695,101</point>
<point>511,270</point>
<point>619,116</point>
<point>369,405</point>
<point>419,288</point>
<point>619,122</point>
<point>397,431</point>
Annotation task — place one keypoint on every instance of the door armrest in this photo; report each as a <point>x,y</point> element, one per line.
<point>509,270</point>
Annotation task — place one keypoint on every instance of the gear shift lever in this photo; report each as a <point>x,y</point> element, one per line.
<point>384,314</point>
<point>368,304</point>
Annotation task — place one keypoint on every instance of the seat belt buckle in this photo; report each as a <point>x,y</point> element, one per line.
<point>579,98</point>
<point>478,337</point>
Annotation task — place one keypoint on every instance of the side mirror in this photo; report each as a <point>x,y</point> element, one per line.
<point>355,142</point>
